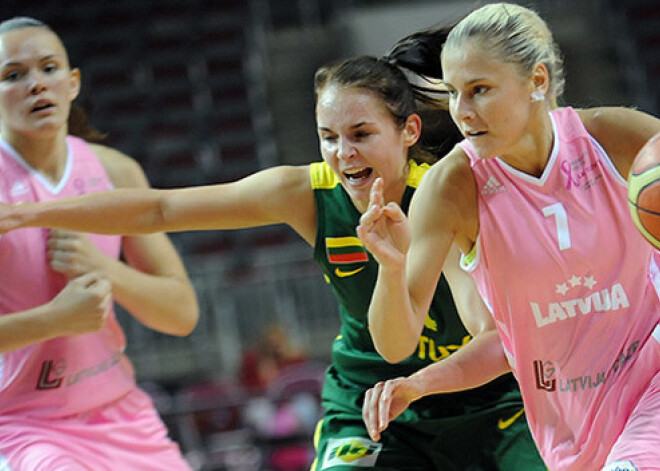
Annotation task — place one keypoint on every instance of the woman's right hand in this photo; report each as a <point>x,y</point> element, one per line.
<point>384,228</point>
<point>83,305</point>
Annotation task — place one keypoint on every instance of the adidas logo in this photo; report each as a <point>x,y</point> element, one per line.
<point>492,186</point>
<point>19,188</point>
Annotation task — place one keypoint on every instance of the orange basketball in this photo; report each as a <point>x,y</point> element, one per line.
<point>644,191</point>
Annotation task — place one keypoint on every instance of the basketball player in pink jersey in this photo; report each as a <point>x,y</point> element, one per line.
<point>68,397</point>
<point>538,208</point>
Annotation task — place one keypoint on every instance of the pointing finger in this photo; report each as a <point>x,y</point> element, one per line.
<point>376,193</point>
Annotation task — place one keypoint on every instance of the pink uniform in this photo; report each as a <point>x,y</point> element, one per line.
<point>573,288</point>
<point>54,391</point>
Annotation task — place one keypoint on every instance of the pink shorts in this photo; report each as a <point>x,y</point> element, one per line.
<point>126,435</point>
<point>638,446</point>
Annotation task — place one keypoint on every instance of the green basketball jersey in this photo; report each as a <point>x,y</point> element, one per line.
<point>352,271</point>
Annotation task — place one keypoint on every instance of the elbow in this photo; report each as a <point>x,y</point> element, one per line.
<point>392,353</point>
<point>189,326</point>
<point>188,321</point>
<point>394,359</point>
<point>394,346</point>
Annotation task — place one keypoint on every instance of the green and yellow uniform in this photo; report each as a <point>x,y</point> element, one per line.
<point>480,429</point>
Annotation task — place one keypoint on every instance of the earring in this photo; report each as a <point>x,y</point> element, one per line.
<point>537,95</point>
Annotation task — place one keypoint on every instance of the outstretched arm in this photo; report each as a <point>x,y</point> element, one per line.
<point>153,284</point>
<point>260,199</point>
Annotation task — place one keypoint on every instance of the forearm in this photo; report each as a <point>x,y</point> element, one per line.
<point>122,211</point>
<point>164,303</point>
<point>479,362</point>
<point>25,328</point>
<point>394,325</point>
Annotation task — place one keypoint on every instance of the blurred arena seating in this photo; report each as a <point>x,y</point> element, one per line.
<point>635,25</point>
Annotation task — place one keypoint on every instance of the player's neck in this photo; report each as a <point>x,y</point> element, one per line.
<point>46,154</point>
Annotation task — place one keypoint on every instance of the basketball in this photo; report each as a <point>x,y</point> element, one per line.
<point>644,191</point>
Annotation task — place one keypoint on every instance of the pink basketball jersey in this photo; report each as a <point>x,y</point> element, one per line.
<point>572,286</point>
<point>65,375</point>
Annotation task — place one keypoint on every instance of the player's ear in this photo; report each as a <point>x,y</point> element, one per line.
<point>74,83</point>
<point>412,129</point>
<point>540,82</point>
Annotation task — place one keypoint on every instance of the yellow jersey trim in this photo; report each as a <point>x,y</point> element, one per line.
<point>469,258</point>
<point>335,242</point>
<point>322,177</point>
<point>416,173</point>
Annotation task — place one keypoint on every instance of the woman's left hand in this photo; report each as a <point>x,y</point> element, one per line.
<point>73,254</point>
<point>386,401</point>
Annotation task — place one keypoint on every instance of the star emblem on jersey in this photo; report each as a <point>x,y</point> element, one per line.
<point>574,281</point>
<point>605,299</point>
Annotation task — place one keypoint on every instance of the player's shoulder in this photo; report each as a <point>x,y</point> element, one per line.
<point>607,121</point>
<point>620,131</point>
<point>123,170</point>
<point>450,189</point>
<point>452,170</point>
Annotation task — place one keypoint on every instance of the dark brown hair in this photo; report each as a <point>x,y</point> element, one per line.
<point>382,78</point>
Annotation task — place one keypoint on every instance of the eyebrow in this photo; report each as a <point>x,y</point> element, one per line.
<point>355,126</point>
<point>468,83</point>
<point>41,59</point>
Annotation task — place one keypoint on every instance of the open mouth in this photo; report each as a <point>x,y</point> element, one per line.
<point>41,107</point>
<point>358,174</point>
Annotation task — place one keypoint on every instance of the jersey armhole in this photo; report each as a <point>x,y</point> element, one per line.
<point>604,156</point>
<point>469,261</point>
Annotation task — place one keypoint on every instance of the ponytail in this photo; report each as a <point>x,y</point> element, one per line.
<point>419,54</point>
<point>79,125</point>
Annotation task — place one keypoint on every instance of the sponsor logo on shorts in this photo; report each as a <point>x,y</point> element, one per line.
<point>504,424</point>
<point>351,451</point>
<point>620,466</point>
